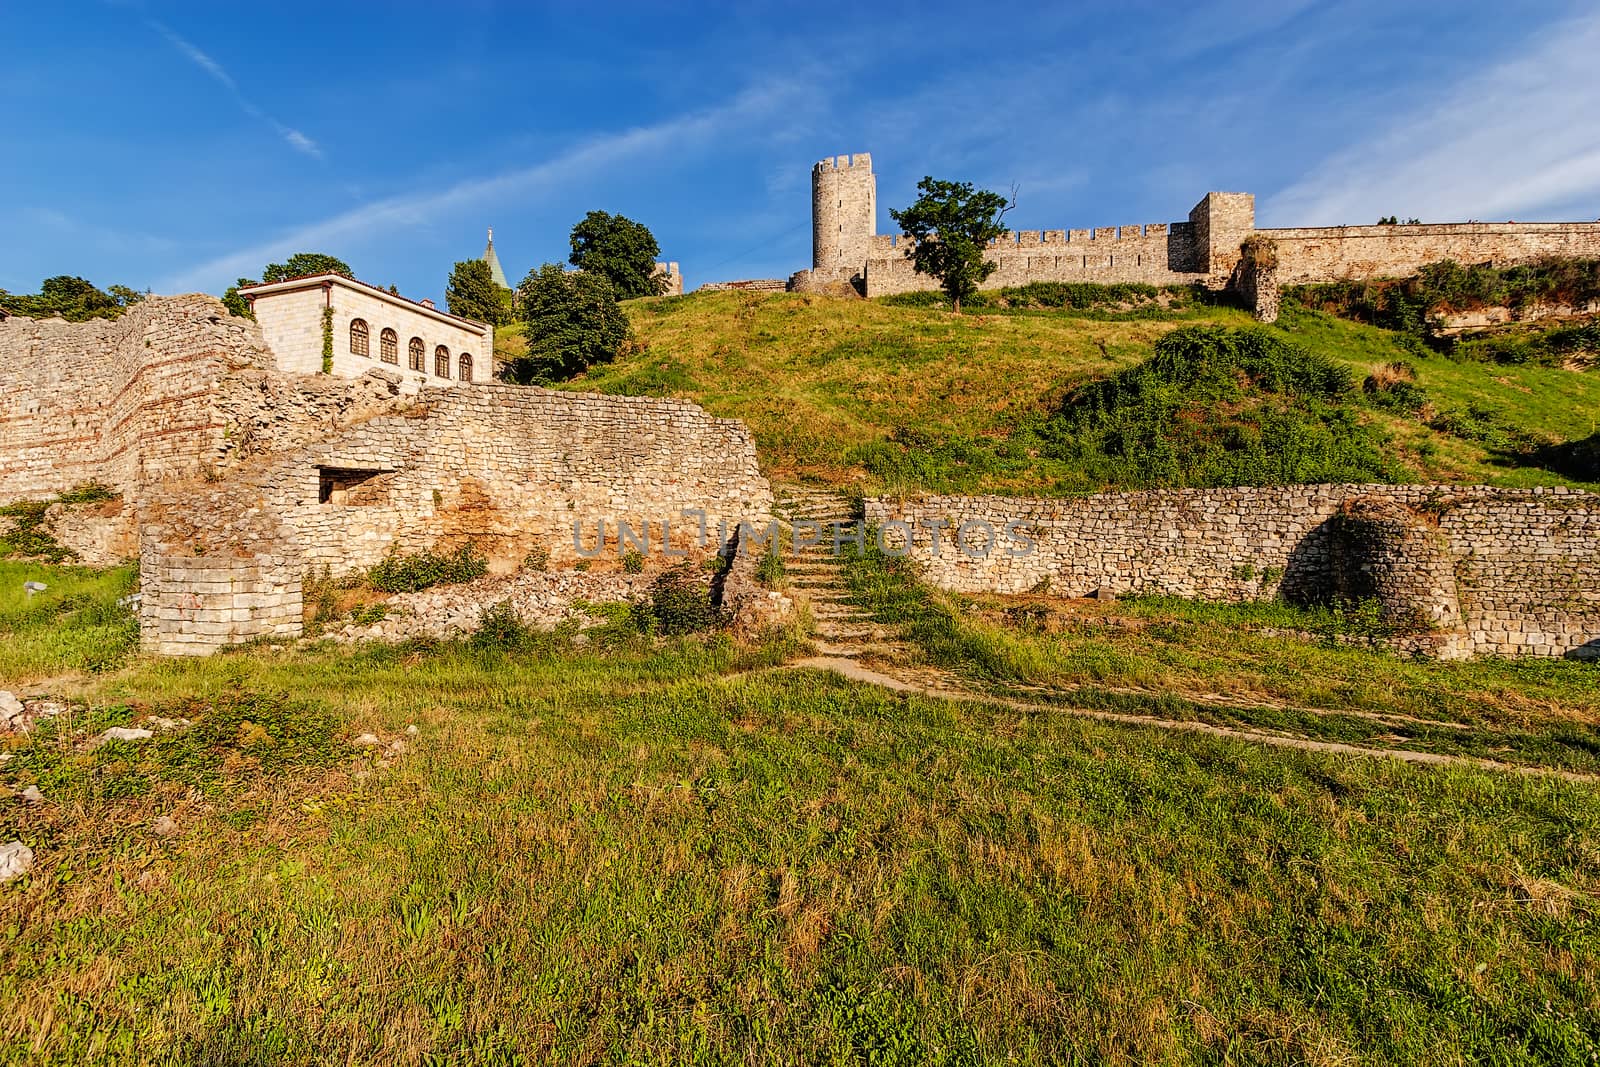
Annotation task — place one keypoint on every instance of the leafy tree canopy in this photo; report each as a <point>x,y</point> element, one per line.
<point>572,320</point>
<point>298,266</point>
<point>621,250</point>
<point>953,223</point>
<point>72,298</point>
<point>472,294</point>
<point>302,263</point>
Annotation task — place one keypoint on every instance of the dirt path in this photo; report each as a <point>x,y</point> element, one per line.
<point>851,644</point>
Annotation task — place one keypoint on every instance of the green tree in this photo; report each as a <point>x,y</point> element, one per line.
<point>572,320</point>
<point>236,304</point>
<point>72,298</point>
<point>303,263</point>
<point>298,266</point>
<point>953,223</point>
<point>621,250</point>
<point>124,296</point>
<point>472,293</point>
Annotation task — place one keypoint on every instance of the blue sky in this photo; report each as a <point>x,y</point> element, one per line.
<point>177,146</point>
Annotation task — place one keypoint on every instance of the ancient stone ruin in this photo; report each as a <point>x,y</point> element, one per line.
<point>1209,248</point>
<point>1455,569</point>
<point>238,479</point>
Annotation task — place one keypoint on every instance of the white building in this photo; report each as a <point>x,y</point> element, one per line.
<point>369,328</point>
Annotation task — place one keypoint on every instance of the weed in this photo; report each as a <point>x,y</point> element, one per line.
<point>769,568</point>
<point>406,574</point>
<point>680,602</point>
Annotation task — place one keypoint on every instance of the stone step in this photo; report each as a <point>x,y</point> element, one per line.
<point>854,649</point>
<point>839,613</point>
<point>826,596</point>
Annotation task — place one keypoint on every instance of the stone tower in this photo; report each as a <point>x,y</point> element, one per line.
<point>844,214</point>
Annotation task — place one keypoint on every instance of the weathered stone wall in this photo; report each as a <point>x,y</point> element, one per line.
<point>120,401</point>
<point>1321,254</point>
<point>1526,563</point>
<point>505,468</point>
<point>511,469</point>
<point>672,276</point>
<point>1157,254</point>
<point>746,285</point>
<point>1388,553</point>
<point>1206,249</point>
<point>191,604</point>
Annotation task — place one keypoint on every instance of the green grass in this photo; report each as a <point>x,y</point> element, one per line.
<point>1188,660</point>
<point>638,855</point>
<point>907,398</point>
<point>662,850</point>
<point>75,625</point>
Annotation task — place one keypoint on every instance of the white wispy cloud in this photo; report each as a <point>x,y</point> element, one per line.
<point>291,136</point>
<point>418,208</point>
<point>1516,141</point>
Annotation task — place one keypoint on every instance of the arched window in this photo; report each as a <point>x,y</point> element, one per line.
<point>441,361</point>
<point>358,337</point>
<point>418,357</point>
<point>389,346</point>
<point>464,363</point>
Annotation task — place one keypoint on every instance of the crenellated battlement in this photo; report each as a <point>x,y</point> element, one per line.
<point>859,161</point>
<point>1205,248</point>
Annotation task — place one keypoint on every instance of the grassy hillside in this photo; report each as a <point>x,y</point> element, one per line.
<point>891,396</point>
<point>641,852</point>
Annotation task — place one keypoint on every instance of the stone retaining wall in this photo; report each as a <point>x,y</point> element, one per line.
<point>506,469</point>
<point>1525,563</point>
<point>119,401</point>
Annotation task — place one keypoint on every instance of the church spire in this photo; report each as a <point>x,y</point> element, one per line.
<point>495,271</point>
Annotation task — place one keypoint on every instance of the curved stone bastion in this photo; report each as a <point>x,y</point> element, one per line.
<point>1462,569</point>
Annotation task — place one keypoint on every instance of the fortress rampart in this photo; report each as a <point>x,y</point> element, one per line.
<point>120,401</point>
<point>1478,569</point>
<point>1204,249</point>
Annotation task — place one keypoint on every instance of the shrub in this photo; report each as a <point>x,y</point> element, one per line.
<point>537,559</point>
<point>367,614</point>
<point>27,537</point>
<point>1412,305</point>
<point>680,602</point>
<point>1220,406</point>
<point>499,627</point>
<point>407,574</point>
<point>87,493</point>
<point>1393,387</point>
<point>633,561</point>
<point>321,592</point>
<point>769,569</point>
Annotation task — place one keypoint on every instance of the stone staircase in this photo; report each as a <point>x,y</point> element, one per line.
<point>844,632</point>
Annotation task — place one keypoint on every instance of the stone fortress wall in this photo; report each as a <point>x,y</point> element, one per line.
<point>1482,570</point>
<point>238,478</point>
<point>509,469</point>
<point>504,468</point>
<point>124,401</point>
<point>1204,249</point>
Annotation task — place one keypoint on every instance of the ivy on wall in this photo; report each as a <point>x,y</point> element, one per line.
<point>327,340</point>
